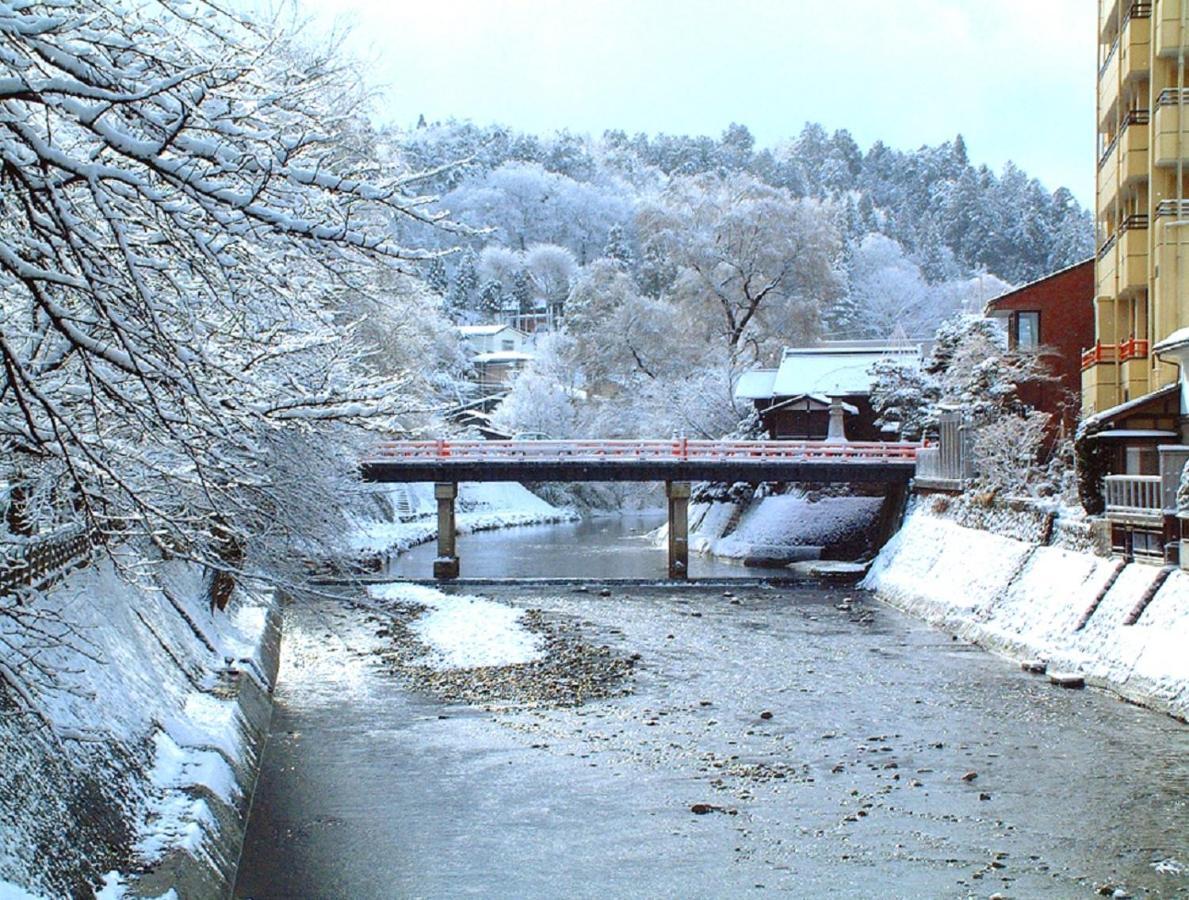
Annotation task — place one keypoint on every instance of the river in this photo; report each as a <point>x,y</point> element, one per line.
<point>830,745</point>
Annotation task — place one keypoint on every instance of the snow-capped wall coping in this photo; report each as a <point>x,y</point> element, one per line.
<point>134,773</point>
<point>1124,627</point>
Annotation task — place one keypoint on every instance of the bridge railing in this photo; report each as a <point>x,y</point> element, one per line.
<point>678,449</point>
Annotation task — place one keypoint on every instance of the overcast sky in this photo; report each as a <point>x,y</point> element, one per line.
<point>1014,77</point>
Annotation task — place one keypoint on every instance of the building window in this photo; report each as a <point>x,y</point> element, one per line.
<point>507,345</point>
<point>1024,331</point>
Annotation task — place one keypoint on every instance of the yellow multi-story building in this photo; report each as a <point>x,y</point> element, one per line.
<point>1142,293</point>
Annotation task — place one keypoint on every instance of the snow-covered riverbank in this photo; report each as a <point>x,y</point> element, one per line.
<point>480,507</point>
<point>132,722</point>
<point>1123,627</point>
<point>782,529</point>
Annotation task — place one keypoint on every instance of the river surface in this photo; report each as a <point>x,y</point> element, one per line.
<point>606,547</point>
<point>843,748</point>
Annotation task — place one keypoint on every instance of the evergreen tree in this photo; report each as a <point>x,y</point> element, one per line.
<point>617,248</point>
<point>491,299</point>
<point>466,280</point>
<point>522,292</point>
<point>436,278</point>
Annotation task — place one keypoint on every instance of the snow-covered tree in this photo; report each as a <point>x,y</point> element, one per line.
<point>552,270</point>
<point>757,264</point>
<point>436,278</point>
<point>464,287</point>
<point>544,397</point>
<point>522,292</point>
<point>187,202</point>
<point>617,248</point>
<point>491,299</point>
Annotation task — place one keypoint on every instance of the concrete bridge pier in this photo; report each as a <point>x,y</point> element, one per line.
<point>446,565</point>
<point>678,494</point>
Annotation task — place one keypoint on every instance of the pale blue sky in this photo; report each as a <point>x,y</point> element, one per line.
<point>1015,77</point>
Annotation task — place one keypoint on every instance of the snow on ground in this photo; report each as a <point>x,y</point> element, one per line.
<point>1029,601</point>
<point>479,507</point>
<point>139,716</point>
<point>463,631</point>
<point>781,527</point>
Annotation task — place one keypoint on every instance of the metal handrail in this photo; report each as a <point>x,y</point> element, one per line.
<point>1172,97</point>
<point>1108,246</point>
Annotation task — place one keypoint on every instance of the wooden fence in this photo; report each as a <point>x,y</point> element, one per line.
<point>40,559</point>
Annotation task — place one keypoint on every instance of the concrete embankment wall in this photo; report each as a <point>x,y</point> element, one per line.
<point>784,528</point>
<point>1124,627</point>
<point>134,719</point>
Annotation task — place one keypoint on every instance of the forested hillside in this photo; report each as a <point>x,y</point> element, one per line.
<point>897,222</point>
<point>669,263</point>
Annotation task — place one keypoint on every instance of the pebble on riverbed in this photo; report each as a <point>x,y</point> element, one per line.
<point>571,672</point>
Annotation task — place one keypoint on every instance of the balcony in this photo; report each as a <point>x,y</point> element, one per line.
<point>1133,255</point>
<point>1131,349</point>
<point>1171,142</point>
<point>1100,388</point>
<point>1124,162</point>
<point>1135,499</point>
<point>1122,269</point>
<point>1127,59</point>
<point>1107,268</point>
<point>1167,36</point>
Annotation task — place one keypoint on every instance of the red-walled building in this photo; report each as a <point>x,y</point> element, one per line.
<point>1054,315</point>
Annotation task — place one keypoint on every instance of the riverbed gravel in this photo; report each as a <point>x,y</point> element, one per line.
<point>573,670</point>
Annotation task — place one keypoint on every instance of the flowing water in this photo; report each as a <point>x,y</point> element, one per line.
<point>839,749</point>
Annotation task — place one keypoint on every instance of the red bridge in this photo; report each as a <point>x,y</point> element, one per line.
<point>676,462</point>
<point>677,459</point>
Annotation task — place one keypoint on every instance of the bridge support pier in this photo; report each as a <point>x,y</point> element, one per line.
<point>678,494</point>
<point>446,565</point>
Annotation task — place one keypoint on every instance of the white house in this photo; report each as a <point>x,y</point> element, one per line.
<point>498,353</point>
<point>495,339</point>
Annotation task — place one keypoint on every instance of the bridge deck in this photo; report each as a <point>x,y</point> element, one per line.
<point>675,460</point>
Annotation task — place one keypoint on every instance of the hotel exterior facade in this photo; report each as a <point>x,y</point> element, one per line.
<point>1142,268</point>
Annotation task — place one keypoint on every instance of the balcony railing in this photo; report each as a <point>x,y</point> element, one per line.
<point>1108,246</point>
<point>1133,117</point>
<point>1134,497</point>
<point>1137,10</point>
<point>1133,348</point>
<point>1172,97</point>
<point>1178,208</point>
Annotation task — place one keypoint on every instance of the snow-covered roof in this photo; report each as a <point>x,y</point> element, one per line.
<point>482,330</point>
<point>1125,433</point>
<point>755,385</point>
<point>503,356</point>
<point>1175,341</point>
<point>836,370</point>
<point>1107,415</point>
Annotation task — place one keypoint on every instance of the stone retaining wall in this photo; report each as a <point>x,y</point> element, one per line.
<point>132,742</point>
<point>1123,627</point>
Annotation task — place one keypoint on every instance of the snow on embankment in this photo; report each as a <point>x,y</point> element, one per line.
<point>131,720</point>
<point>479,507</point>
<point>1029,601</point>
<point>784,528</point>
